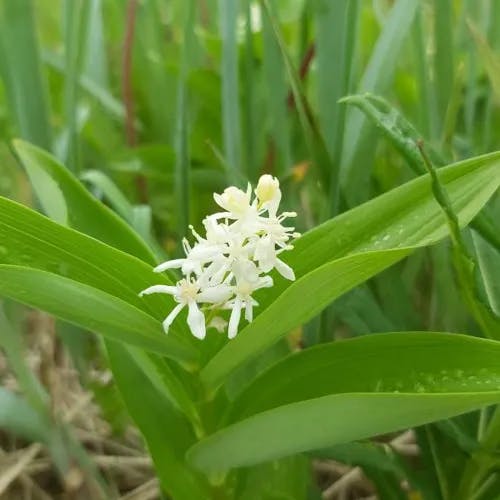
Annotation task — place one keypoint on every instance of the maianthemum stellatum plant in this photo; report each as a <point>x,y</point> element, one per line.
<point>207,413</point>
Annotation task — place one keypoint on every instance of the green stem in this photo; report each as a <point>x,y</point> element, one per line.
<point>463,262</point>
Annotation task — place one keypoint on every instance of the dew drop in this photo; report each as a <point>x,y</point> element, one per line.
<point>3,251</point>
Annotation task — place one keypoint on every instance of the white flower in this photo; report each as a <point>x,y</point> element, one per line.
<point>225,267</point>
<point>235,201</point>
<point>247,282</point>
<point>187,293</point>
<point>267,257</point>
<point>269,194</point>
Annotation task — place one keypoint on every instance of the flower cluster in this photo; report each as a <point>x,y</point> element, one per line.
<point>241,246</point>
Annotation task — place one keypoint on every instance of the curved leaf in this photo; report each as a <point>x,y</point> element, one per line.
<point>353,389</point>
<point>297,304</point>
<point>90,308</point>
<point>370,238</point>
<point>166,430</point>
<point>31,240</point>
<point>65,200</point>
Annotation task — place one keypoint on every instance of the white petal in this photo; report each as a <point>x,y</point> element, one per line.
<point>196,320</point>
<point>215,271</point>
<point>204,252</point>
<point>171,290</point>
<point>170,318</point>
<point>264,282</point>
<point>285,270</point>
<point>245,270</point>
<point>214,294</point>
<point>190,267</point>
<point>234,320</point>
<point>248,310</point>
<point>265,254</point>
<point>170,264</point>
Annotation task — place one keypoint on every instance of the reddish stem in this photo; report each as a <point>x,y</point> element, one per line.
<point>204,14</point>
<point>128,95</point>
<point>303,70</point>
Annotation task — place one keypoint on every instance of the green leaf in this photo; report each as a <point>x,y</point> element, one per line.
<point>488,258</point>
<point>351,390</point>
<point>165,381</point>
<point>31,240</point>
<point>65,200</point>
<point>166,430</point>
<point>404,137</point>
<point>228,12</point>
<point>18,417</point>
<point>349,249</point>
<point>110,191</point>
<point>276,96</point>
<point>444,66</point>
<point>11,340</point>
<point>90,308</point>
<point>336,27</point>
<point>359,143</point>
<point>22,73</point>
<point>286,479</point>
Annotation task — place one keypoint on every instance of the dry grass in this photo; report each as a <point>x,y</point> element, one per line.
<point>27,471</point>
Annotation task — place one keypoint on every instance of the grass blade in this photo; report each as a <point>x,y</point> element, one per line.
<point>22,72</point>
<point>228,12</point>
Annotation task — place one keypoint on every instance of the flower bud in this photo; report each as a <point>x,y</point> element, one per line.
<point>268,189</point>
<point>233,200</point>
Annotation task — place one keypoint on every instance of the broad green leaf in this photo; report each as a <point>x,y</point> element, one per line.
<point>406,216</point>
<point>286,479</point>
<point>139,217</point>
<point>166,430</point>
<point>65,200</point>
<point>166,382</point>
<point>90,308</point>
<point>87,214</point>
<point>31,240</point>
<point>347,250</point>
<point>297,304</point>
<point>404,137</point>
<point>351,390</point>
